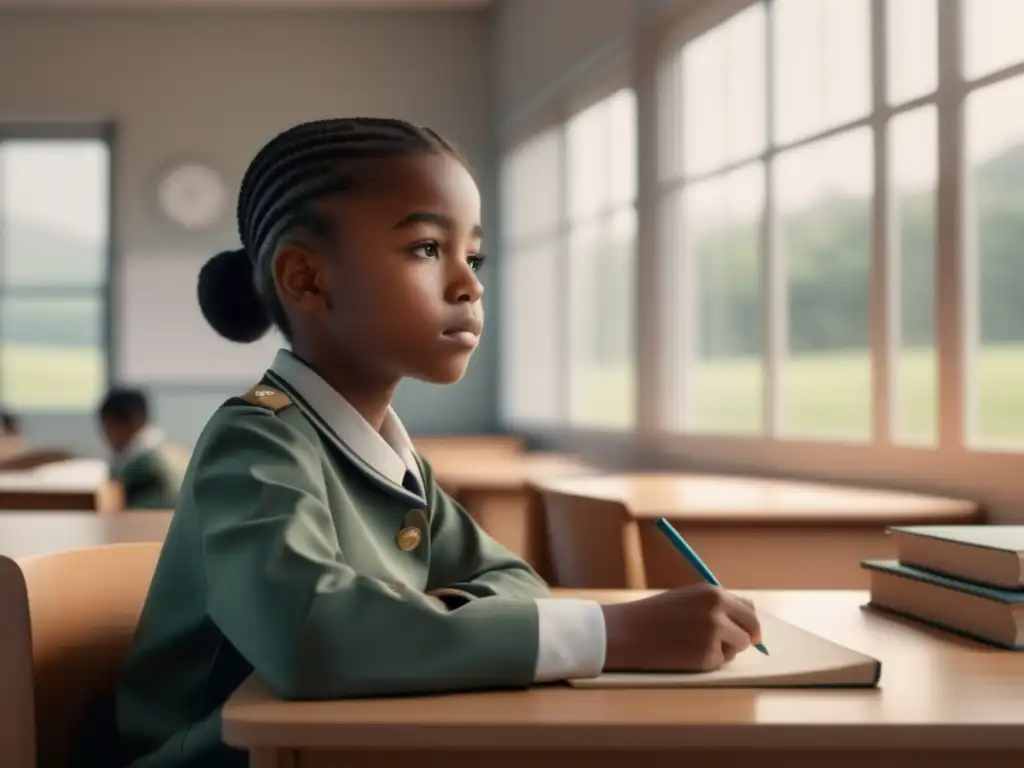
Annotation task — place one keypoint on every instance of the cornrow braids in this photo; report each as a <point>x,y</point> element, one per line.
<point>307,163</point>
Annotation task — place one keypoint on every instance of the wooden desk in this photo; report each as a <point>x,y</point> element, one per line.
<point>31,459</point>
<point>40,532</point>
<point>754,533</point>
<point>75,484</point>
<point>438,447</point>
<point>942,702</point>
<point>495,488</point>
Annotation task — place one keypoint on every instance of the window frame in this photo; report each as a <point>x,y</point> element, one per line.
<point>950,465</point>
<point>955,253</point>
<point>103,292</point>
<point>988,475</point>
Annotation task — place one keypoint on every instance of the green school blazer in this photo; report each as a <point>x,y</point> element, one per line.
<point>288,556</point>
<point>151,479</point>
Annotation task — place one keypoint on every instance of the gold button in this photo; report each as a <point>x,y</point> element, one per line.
<point>409,538</point>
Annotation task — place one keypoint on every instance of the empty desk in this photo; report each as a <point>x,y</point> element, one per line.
<point>753,533</point>
<point>76,484</point>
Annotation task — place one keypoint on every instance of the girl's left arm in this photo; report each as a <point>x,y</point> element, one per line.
<point>466,562</point>
<point>468,565</point>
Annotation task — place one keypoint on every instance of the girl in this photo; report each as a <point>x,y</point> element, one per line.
<point>311,544</point>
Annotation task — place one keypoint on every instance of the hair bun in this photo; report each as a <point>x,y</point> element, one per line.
<point>228,298</point>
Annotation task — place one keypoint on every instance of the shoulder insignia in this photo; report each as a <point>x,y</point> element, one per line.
<point>267,397</point>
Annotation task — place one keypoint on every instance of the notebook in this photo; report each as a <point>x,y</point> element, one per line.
<point>983,613</point>
<point>988,554</point>
<point>799,659</point>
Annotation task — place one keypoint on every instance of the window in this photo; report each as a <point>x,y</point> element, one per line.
<point>821,63</point>
<point>992,39</point>
<point>911,186</point>
<point>568,284</point>
<point>808,147</point>
<point>913,179</point>
<point>531,344</point>
<point>839,198</point>
<point>994,224</point>
<point>776,197</point>
<point>822,218</point>
<point>601,193</point>
<point>54,253</point>
<point>717,194</point>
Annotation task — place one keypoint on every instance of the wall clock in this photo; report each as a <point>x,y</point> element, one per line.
<point>193,196</point>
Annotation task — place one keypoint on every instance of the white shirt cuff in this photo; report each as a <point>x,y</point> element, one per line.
<point>571,639</point>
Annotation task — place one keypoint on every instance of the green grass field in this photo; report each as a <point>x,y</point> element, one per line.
<point>824,396</point>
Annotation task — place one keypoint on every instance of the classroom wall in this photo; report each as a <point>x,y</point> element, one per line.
<point>216,85</point>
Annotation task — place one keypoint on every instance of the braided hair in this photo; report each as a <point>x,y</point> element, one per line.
<point>293,171</point>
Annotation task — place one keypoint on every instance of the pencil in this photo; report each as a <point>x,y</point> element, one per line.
<point>693,558</point>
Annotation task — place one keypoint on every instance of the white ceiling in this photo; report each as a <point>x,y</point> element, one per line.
<point>244,4</point>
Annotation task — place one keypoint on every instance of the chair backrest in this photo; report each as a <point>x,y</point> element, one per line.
<point>594,543</point>
<point>67,620</point>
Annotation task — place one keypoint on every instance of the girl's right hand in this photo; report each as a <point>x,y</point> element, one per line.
<point>694,629</point>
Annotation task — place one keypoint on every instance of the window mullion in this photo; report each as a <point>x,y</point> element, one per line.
<point>772,272</point>
<point>884,301</point>
<point>648,268</point>
<point>564,345</point>
<point>954,251</point>
<point>675,380</point>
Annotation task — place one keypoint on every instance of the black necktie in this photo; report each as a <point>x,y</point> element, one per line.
<point>410,484</point>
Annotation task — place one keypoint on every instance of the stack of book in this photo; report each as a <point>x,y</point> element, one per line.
<point>968,579</point>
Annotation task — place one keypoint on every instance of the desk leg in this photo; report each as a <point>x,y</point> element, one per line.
<point>272,758</point>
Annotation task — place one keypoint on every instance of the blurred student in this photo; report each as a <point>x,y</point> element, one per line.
<point>10,424</point>
<point>148,466</point>
<point>12,443</point>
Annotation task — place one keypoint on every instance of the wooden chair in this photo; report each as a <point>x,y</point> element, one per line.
<point>593,543</point>
<point>67,620</point>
